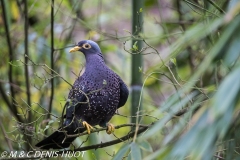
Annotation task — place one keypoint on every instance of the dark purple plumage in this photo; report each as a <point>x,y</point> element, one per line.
<point>104,89</point>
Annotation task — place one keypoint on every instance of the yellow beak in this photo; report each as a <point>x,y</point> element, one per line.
<point>74,49</point>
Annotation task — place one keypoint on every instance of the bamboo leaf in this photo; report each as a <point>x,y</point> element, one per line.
<point>47,126</point>
<point>135,47</point>
<point>122,152</point>
<point>213,122</point>
<point>161,123</point>
<point>135,152</point>
<point>145,146</point>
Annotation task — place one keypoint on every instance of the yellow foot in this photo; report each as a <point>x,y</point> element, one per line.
<point>88,126</point>
<point>110,128</point>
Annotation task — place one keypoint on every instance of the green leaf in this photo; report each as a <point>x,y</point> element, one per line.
<point>174,61</point>
<point>159,154</point>
<point>173,109</point>
<point>129,158</point>
<point>227,95</point>
<point>135,47</point>
<point>121,153</point>
<point>140,10</point>
<point>47,126</point>
<point>135,152</point>
<point>214,121</point>
<point>51,121</point>
<point>16,136</point>
<point>232,52</point>
<point>145,146</point>
<point>19,145</point>
<point>140,69</point>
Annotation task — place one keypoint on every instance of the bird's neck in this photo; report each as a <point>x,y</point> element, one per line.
<point>93,61</point>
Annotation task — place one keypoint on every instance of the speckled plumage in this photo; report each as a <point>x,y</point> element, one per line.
<point>104,89</point>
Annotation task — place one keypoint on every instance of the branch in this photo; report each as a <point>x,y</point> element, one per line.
<point>52,59</point>
<point>26,69</point>
<point>110,143</point>
<point>26,58</point>
<point>4,96</point>
<point>141,128</point>
<point>17,87</point>
<point>5,136</point>
<point>197,6</point>
<point>105,128</point>
<point>44,66</point>
<point>216,6</point>
<point>13,107</point>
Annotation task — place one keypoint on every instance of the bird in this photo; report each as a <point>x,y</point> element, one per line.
<point>93,99</point>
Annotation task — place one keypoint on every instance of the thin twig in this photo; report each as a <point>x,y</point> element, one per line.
<point>197,6</point>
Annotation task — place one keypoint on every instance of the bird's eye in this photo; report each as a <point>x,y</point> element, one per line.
<point>87,46</point>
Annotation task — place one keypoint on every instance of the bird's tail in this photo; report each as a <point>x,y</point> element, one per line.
<point>57,140</point>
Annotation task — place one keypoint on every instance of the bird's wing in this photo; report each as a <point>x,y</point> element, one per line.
<point>76,96</point>
<point>123,93</point>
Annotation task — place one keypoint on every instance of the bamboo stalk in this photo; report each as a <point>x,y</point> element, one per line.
<point>136,82</point>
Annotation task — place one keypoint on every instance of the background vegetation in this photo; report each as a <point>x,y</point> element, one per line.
<point>189,94</point>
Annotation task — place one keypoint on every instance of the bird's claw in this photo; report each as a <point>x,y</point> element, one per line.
<point>110,128</point>
<point>87,126</point>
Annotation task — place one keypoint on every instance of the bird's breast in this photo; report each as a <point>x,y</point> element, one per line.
<point>103,92</point>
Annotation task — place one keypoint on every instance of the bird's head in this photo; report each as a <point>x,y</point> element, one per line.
<point>86,47</point>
